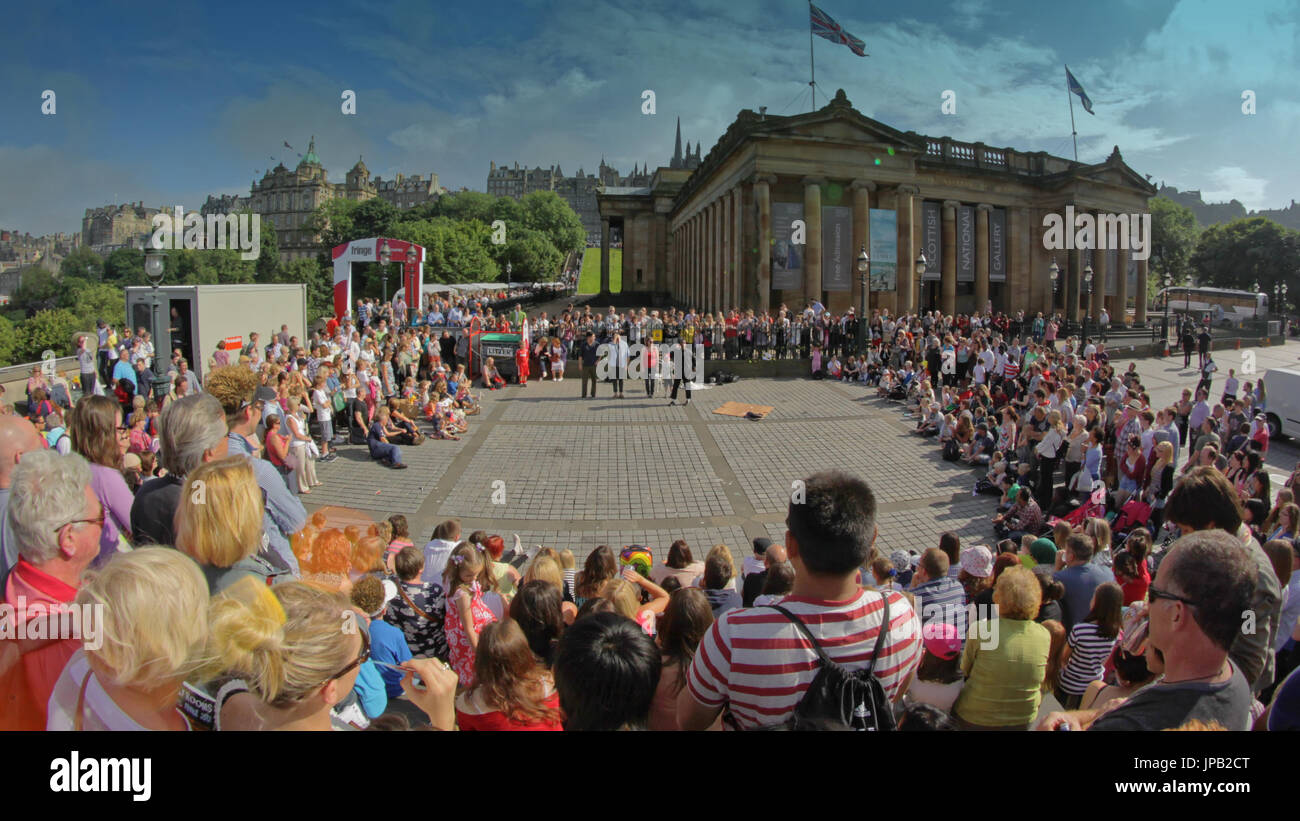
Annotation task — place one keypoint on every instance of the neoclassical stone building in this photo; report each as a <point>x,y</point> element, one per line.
<point>726,233</point>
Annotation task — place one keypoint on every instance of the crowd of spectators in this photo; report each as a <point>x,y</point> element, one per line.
<point>1115,579</point>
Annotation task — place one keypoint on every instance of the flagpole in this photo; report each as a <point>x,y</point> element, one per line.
<point>1070,95</point>
<point>812,64</point>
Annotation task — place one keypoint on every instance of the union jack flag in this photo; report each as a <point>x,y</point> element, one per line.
<point>823,25</point>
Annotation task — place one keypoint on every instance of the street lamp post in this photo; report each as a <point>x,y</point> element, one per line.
<point>155,268</point>
<point>1087,281</point>
<point>1055,273</point>
<point>920,269</point>
<point>864,263</point>
<point>509,269</point>
<point>1169,281</point>
<point>385,256</point>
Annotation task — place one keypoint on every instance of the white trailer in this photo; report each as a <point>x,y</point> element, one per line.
<point>201,316</point>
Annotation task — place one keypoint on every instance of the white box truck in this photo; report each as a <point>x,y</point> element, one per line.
<point>201,316</point>
<point>1282,405</point>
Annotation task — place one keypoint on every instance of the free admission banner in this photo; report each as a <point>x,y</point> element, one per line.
<point>932,240</point>
<point>884,249</point>
<point>965,243</point>
<point>998,245</point>
<point>787,257</point>
<point>837,248</point>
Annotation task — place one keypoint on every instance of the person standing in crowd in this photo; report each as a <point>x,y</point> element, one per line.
<point>236,387</point>
<point>607,672</point>
<point>1205,500</point>
<point>828,539</point>
<point>589,353</point>
<point>97,433</point>
<point>56,521</point>
<point>132,679</point>
<point>1204,584</point>
<point>191,431</point>
<point>17,438</point>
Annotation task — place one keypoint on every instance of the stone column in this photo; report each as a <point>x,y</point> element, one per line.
<point>905,204</point>
<point>1098,286</point>
<point>982,254</point>
<point>861,238</point>
<point>719,264</point>
<point>1074,285</point>
<point>1119,316</point>
<point>762,195</point>
<point>812,257</point>
<point>948,286</point>
<point>738,247</point>
<point>720,214</point>
<point>1140,298</point>
<point>604,255</point>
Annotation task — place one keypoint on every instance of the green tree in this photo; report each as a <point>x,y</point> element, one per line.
<point>90,301</point>
<point>467,205</point>
<point>373,218</point>
<point>333,222</point>
<point>531,256</point>
<point>455,250</point>
<point>82,263</point>
<point>545,211</point>
<point>125,266</point>
<point>1247,252</point>
<point>320,286</point>
<point>38,290</point>
<point>8,343</point>
<point>267,266</point>
<point>1174,232</point>
<point>47,330</point>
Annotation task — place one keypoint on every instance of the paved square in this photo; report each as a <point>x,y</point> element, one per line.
<point>575,473</point>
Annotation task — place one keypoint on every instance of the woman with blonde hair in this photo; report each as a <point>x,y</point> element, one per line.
<point>1047,449</point>
<point>545,568</point>
<point>282,651</point>
<point>97,433</point>
<point>1160,483</point>
<point>218,523</point>
<point>1003,687</point>
<point>132,679</point>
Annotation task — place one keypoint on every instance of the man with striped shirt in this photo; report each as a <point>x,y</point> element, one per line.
<point>756,665</point>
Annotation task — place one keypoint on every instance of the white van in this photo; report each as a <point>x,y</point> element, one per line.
<point>1282,406</point>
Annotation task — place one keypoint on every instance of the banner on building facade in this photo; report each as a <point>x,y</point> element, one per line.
<point>1133,281</point>
<point>839,265</point>
<point>998,245</point>
<point>965,243</point>
<point>787,257</point>
<point>884,249</point>
<point>932,240</point>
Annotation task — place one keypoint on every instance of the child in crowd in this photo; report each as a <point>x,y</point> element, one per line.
<point>569,565</point>
<point>467,578</point>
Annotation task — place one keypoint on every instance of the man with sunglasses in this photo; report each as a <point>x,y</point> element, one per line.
<point>55,519</point>
<point>1203,586</point>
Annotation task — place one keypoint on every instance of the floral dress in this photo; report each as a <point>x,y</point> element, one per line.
<point>460,650</point>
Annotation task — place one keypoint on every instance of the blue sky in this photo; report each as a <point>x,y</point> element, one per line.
<point>169,107</point>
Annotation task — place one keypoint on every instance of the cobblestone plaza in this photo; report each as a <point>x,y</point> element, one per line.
<point>576,473</point>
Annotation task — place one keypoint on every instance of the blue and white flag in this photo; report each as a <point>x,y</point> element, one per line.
<point>1075,88</point>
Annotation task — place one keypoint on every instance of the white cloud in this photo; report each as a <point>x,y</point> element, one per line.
<point>1234,183</point>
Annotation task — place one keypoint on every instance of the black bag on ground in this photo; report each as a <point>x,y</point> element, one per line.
<point>951,450</point>
<point>842,699</point>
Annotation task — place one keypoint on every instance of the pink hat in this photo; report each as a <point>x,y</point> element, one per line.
<point>941,639</point>
<point>977,561</point>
